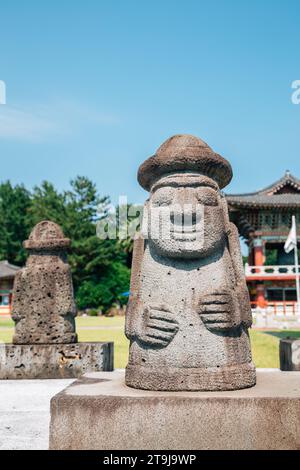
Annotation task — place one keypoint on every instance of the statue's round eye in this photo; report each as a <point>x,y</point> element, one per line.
<point>207,197</point>
<point>162,197</point>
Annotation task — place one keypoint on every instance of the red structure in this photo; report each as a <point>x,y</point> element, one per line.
<point>264,220</point>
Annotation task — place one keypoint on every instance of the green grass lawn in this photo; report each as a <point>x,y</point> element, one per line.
<point>265,344</point>
<point>112,329</point>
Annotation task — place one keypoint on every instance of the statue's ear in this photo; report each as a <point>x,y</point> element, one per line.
<point>145,220</point>
<point>224,206</point>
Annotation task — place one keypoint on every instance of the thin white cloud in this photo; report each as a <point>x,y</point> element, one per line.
<point>39,123</point>
<point>79,112</point>
<point>23,125</point>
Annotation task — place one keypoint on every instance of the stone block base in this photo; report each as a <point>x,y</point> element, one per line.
<point>289,350</point>
<point>54,361</point>
<point>100,412</point>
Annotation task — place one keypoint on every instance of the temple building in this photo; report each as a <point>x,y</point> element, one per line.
<point>7,275</point>
<point>264,220</point>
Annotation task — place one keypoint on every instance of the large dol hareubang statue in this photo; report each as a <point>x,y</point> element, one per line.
<point>189,311</point>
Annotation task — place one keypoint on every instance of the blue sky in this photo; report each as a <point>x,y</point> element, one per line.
<point>94,87</point>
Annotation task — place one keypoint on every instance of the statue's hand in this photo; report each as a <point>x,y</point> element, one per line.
<point>218,311</point>
<point>158,326</point>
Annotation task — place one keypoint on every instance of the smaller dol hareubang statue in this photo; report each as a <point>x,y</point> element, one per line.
<point>189,310</point>
<point>43,305</point>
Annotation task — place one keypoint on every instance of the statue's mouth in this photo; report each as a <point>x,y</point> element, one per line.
<point>183,233</point>
<point>185,228</point>
<point>184,237</point>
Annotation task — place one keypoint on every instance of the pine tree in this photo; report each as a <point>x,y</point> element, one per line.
<point>14,225</point>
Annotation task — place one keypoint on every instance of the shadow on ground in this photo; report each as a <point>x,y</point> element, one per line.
<point>283,334</point>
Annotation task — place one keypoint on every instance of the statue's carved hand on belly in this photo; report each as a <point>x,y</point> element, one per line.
<point>218,310</point>
<point>158,326</point>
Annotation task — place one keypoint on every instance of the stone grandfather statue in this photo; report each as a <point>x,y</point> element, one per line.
<point>43,305</point>
<point>45,342</point>
<point>189,311</point>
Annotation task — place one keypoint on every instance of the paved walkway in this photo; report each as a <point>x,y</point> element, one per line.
<point>25,412</point>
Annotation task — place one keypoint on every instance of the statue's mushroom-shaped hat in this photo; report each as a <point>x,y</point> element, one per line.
<point>185,152</point>
<point>46,235</point>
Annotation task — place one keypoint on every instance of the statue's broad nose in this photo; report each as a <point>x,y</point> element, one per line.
<point>187,218</point>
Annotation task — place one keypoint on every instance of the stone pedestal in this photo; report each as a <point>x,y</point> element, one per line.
<point>289,351</point>
<point>100,412</point>
<point>54,361</point>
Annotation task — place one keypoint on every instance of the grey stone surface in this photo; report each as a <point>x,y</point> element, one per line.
<point>43,306</point>
<point>289,352</point>
<point>189,311</point>
<point>44,361</point>
<point>25,413</point>
<point>100,412</point>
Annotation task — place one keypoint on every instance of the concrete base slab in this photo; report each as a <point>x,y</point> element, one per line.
<point>54,361</point>
<point>100,412</point>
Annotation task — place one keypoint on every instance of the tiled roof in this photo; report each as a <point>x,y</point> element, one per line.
<point>7,270</point>
<point>280,200</point>
<point>287,180</point>
<point>271,196</point>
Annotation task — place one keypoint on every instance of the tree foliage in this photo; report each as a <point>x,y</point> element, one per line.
<point>99,267</point>
<point>14,207</point>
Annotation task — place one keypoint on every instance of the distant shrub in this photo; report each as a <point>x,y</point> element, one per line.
<point>107,291</point>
